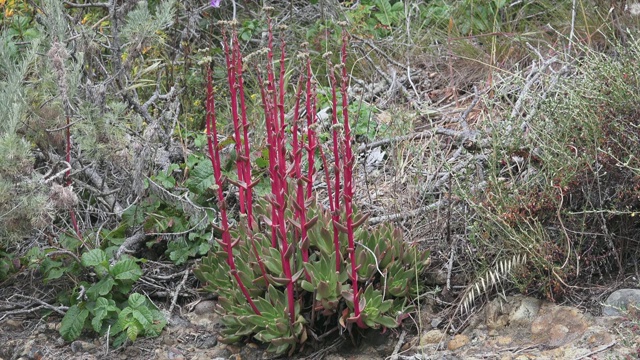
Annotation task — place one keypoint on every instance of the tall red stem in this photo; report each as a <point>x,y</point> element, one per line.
<point>348,180</point>
<point>246,157</point>
<point>300,209</point>
<point>285,253</point>
<point>214,155</point>
<point>335,215</point>
<point>273,103</point>
<point>230,57</point>
<point>312,140</point>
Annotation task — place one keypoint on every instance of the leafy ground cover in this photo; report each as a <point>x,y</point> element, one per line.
<point>498,138</point>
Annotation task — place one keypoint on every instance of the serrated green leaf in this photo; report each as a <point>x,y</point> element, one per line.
<point>136,300</point>
<point>201,178</point>
<point>99,314</point>
<point>94,257</point>
<point>143,316</point>
<point>55,273</point>
<point>133,330</point>
<point>126,269</point>
<point>120,339</point>
<point>101,288</point>
<point>73,323</point>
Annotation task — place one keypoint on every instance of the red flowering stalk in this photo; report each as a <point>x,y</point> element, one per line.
<point>273,103</point>
<point>335,214</point>
<point>348,181</point>
<point>312,139</point>
<point>286,251</point>
<point>266,93</point>
<point>214,155</point>
<point>246,156</point>
<point>299,206</point>
<point>230,57</point>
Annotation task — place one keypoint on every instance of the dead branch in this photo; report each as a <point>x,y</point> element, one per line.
<point>130,244</point>
<point>408,214</point>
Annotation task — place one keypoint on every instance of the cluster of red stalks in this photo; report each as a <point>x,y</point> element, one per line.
<point>286,168</point>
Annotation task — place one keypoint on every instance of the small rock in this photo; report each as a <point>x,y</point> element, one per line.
<point>41,328</point>
<point>431,337</point>
<point>206,341</point>
<point>175,354</point>
<point>504,340</point>
<point>457,342</point>
<point>334,357</point>
<point>205,307</point>
<point>12,324</point>
<point>435,322</point>
<point>169,340</point>
<point>234,349</point>
<point>620,301</point>
<point>30,350</point>
<point>524,312</point>
<point>79,346</point>
<point>558,331</point>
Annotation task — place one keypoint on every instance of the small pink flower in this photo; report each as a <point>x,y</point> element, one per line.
<point>215,3</point>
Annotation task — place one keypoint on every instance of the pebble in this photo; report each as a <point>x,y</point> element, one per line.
<point>79,346</point>
<point>12,324</point>
<point>205,307</point>
<point>619,302</point>
<point>457,342</point>
<point>431,337</point>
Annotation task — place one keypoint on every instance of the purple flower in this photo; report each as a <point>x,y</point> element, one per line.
<point>215,3</point>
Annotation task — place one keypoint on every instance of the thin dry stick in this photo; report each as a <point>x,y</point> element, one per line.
<point>600,349</point>
<point>407,214</point>
<point>396,349</point>
<point>176,292</point>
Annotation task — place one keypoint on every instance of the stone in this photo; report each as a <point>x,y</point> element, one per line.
<point>12,324</point>
<point>334,357</point>
<point>175,354</point>
<point>205,307</point>
<point>620,302</point>
<point>206,341</point>
<point>497,313</point>
<point>524,311</point>
<point>558,325</point>
<point>80,346</point>
<point>457,342</point>
<point>504,340</point>
<point>431,337</point>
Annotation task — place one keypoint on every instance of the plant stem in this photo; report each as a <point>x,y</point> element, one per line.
<point>214,155</point>
<point>246,156</point>
<point>312,139</point>
<point>335,215</point>
<point>300,209</point>
<point>348,180</point>
<point>230,57</point>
